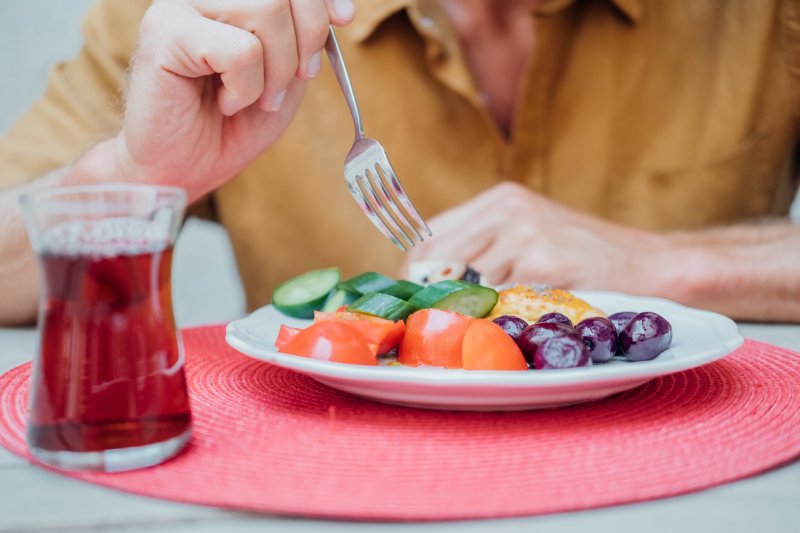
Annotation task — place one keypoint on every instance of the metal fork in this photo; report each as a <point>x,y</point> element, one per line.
<point>370,177</point>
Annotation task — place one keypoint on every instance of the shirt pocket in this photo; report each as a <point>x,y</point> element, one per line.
<point>731,185</point>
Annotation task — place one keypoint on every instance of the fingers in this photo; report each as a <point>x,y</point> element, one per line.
<point>341,11</point>
<point>191,46</point>
<point>458,237</point>
<point>292,34</point>
<point>496,262</point>
<point>311,19</point>
<point>481,232</point>
<point>275,30</point>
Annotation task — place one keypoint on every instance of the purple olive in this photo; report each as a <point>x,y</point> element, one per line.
<point>555,318</point>
<point>645,337</point>
<point>621,319</point>
<point>513,325</point>
<point>562,352</point>
<point>600,338</point>
<point>533,337</point>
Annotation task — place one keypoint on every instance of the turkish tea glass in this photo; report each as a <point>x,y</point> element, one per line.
<point>108,391</point>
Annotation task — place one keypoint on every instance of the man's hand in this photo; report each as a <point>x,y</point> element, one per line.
<point>215,82</point>
<point>511,234</point>
<point>508,233</point>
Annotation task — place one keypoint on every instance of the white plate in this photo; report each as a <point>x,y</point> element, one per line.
<point>699,337</point>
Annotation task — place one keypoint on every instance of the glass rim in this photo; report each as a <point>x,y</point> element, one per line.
<point>60,195</point>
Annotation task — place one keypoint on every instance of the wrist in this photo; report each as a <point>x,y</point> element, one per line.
<point>105,162</point>
<point>685,271</point>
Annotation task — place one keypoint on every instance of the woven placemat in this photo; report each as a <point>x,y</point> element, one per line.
<point>267,439</point>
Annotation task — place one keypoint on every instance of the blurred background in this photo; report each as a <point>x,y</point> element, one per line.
<point>34,35</point>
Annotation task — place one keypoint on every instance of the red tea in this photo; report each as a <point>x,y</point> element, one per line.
<point>110,370</point>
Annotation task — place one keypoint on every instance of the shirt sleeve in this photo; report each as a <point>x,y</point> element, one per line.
<point>82,103</point>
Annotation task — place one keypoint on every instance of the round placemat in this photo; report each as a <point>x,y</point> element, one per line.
<point>267,439</point>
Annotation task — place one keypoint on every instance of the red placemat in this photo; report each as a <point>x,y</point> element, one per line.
<point>268,439</point>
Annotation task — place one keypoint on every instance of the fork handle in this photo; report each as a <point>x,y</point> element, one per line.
<point>339,68</point>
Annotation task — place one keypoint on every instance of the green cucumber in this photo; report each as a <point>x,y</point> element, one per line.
<point>382,306</point>
<point>338,298</point>
<point>459,296</point>
<point>367,282</point>
<point>402,289</point>
<point>300,296</point>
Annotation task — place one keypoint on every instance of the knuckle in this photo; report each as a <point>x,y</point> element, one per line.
<point>269,9</point>
<point>249,50</point>
<point>315,38</point>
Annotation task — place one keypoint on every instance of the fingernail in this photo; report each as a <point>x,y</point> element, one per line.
<point>344,8</point>
<point>314,64</point>
<point>278,102</point>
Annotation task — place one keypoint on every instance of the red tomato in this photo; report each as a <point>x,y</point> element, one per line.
<point>433,337</point>
<point>487,347</point>
<point>285,335</point>
<point>384,333</point>
<point>332,341</point>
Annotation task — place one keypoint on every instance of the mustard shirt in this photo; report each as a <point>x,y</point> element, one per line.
<point>652,113</point>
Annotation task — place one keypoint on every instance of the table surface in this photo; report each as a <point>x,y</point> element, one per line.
<point>32,499</point>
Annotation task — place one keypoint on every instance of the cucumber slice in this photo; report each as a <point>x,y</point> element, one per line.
<point>382,306</point>
<point>402,289</point>
<point>338,298</point>
<point>459,296</point>
<point>367,282</point>
<point>299,297</point>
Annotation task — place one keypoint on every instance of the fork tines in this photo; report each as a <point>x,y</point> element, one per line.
<point>388,206</point>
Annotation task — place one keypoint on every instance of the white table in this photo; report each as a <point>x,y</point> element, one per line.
<point>32,499</point>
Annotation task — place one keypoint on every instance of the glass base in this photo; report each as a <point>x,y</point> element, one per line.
<point>115,460</point>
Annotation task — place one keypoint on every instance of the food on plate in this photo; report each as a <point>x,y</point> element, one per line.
<point>563,351</point>
<point>367,282</point>
<point>460,296</point>
<point>432,271</point>
<point>645,336</point>
<point>600,338</point>
<point>534,336</point>
<point>487,347</point>
<point>332,341</point>
<point>385,334</point>
<point>403,289</point>
<point>512,325</point>
<point>556,318</point>
<point>454,323</point>
<point>337,299</point>
<point>285,335</point>
<point>531,303</point>
<point>621,319</point>
<point>434,337</point>
<point>382,305</point>
<point>300,296</point>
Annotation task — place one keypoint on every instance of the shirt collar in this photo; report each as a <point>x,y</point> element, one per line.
<point>632,9</point>
<point>370,14</point>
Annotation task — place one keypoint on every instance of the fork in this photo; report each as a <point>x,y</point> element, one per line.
<point>369,176</point>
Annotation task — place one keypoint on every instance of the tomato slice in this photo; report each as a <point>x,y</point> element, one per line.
<point>487,347</point>
<point>285,335</point>
<point>434,337</point>
<point>332,341</point>
<point>386,334</point>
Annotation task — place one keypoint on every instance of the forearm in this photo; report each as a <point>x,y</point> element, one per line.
<point>748,272</point>
<point>18,272</point>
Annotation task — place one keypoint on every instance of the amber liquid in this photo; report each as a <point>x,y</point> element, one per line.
<point>110,369</point>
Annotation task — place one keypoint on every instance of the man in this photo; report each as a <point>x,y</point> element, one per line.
<point>643,121</point>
